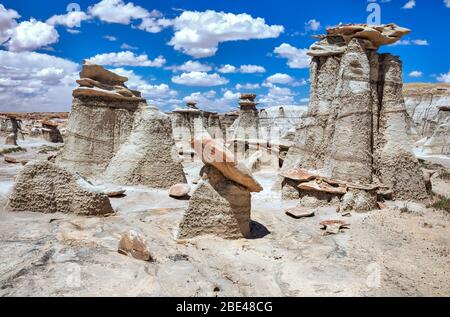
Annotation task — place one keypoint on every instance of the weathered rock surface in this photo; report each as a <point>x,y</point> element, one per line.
<point>179,190</point>
<point>133,244</point>
<point>214,152</point>
<point>51,132</point>
<point>46,187</point>
<point>357,126</point>
<point>11,139</point>
<point>99,123</point>
<point>147,156</point>
<point>219,207</point>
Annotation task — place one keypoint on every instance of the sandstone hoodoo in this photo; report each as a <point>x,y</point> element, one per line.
<point>46,187</point>
<point>100,121</point>
<point>356,128</point>
<point>148,156</point>
<point>51,132</point>
<point>246,125</point>
<point>221,204</point>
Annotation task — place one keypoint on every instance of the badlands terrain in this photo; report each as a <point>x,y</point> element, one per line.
<point>349,196</point>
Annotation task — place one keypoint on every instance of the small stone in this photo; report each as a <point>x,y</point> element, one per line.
<point>299,212</point>
<point>179,190</point>
<point>381,205</point>
<point>333,226</point>
<point>133,244</point>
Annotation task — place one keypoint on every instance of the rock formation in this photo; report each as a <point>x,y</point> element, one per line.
<point>356,127</point>
<point>221,203</point>
<point>276,122</point>
<point>43,186</point>
<point>101,119</point>
<point>51,132</point>
<point>148,156</point>
<point>133,244</point>
<point>246,125</point>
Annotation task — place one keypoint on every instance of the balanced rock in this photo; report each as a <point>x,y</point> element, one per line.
<point>46,187</point>
<point>215,153</point>
<point>133,244</point>
<point>219,207</point>
<point>51,132</point>
<point>147,157</point>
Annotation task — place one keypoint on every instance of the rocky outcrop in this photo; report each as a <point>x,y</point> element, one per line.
<point>147,157</point>
<point>246,125</point>
<point>50,132</point>
<point>100,121</point>
<point>221,203</point>
<point>219,207</point>
<point>356,128</point>
<point>276,122</point>
<point>46,187</point>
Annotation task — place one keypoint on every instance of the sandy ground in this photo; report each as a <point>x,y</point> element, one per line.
<point>385,252</point>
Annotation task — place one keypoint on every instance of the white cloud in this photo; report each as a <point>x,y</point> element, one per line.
<point>296,57</point>
<point>247,86</point>
<point>154,23</point>
<point>415,74</point>
<point>125,46</point>
<point>304,100</point>
<point>73,31</point>
<point>127,58</point>
<point>199,79</point>
<point>447,3</point>
<point>410,4</point>
<point>444,77</point>
<point>7,22</point>
<point>199,33</point>
<point>70,19</point>
<point>31,81</point>
<point>211,102</point>
<point>278,96</point>
<point>31,35</point>
<point>191,66</point>
<point>312,25</point>
<point>116,11</point>
<point>280,78</point>
<point>227,69</point>
<point>110,38</point>
<point>420,42</point>
<point>244,69</point>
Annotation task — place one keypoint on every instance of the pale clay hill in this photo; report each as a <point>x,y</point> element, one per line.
<point>286,201</point>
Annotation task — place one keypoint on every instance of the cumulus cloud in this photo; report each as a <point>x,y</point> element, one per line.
<point>278,96</point>
<point>202,79</point>
<point>198,34</point>
<point>410,4</point>
<point>445,78</point>
<point>415,74</point>
<point>127,58</point>
<point>211,102</point>
<point>247,86</point>
<point>312,25</point>
<point>244,69</point>
<point>7,22</point>
<point>280,78</point>
<point>191,66</point>
<point>31,35</point>
<point>296,57</point>
<point>70,20</point>
<point>31,81</point>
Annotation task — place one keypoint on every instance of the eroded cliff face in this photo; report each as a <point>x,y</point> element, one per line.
<point>356,128</point>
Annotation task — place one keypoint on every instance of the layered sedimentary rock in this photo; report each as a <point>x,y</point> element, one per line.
<point>100,121</point>
<point>439,142</point>
<point>148,156</point>
<point>276,122</point>
<point>46,187</point>
<point>221,203</point>
<point>356,128</point>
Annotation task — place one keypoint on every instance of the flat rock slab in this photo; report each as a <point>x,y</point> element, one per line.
<point>333,226</point>
<point>299,212</point>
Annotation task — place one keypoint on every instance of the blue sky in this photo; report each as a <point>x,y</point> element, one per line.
<point>262,43</point>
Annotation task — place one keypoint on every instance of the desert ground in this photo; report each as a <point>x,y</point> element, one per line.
<point>387,252</point>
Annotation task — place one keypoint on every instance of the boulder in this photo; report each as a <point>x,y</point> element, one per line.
<point>179,190</point>
<point>133,244</point>
<point>219,207</point>
<point>43,186</point>
<point>215,153</point>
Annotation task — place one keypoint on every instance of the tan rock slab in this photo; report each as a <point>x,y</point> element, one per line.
<point>299,212</point>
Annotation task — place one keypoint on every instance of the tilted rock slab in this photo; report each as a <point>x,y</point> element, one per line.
<point>148,157</point>
<point>43,186</point>
<point>219,207</point>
